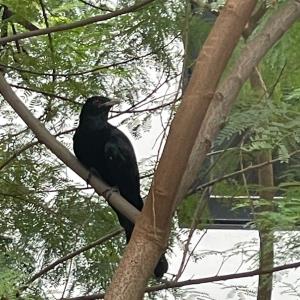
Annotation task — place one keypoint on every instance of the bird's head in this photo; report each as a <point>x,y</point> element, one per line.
<point>97,107</point>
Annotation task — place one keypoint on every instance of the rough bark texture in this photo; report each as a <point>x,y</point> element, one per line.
<point>151,233</point>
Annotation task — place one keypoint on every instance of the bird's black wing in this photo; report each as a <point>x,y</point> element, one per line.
<point>121,166</point>
<point>122,171</point>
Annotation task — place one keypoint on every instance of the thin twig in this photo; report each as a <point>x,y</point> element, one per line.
<point>76,73</point>
<point>102,7</point>
<point>71,255</point>
<point>249,168</point>
<point>45,93</point>
<point>17,153</point>
<point>50,39</point>
<point>198,212</point>
<point>76,24</point>
<point>173,284</point>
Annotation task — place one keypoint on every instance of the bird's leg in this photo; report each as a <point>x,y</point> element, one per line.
<point>94,172</point>
<point>108,192</point>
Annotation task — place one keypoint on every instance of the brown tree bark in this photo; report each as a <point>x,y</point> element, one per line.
<point>153,227</point>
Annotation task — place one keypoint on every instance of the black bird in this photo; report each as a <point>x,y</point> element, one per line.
<point>105,149</point>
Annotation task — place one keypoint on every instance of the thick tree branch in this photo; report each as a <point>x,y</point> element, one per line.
<point>255,18</point>
<point>81,23</point>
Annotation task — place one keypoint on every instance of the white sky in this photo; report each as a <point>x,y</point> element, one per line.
<point>222,240</point>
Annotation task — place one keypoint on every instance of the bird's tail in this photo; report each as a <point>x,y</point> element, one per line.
<point>161,267</point>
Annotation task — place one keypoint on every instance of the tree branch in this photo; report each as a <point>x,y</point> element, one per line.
<point>17,153</point>
<point>223,277</point>
<point>76,24</point>
<point>249,168</point>
<point>84,72</point>
<point>174,284</point>
<point>80,73</point>
<point>71,255</point>
<point>102,7</point>
<point>45,93</point>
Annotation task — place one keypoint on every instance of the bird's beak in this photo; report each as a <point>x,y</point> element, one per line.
<point>112,102</point>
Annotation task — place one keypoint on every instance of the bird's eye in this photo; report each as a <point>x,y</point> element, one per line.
<point>97,103</point>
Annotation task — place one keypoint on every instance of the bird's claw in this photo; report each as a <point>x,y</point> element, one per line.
<point>108,192</point>
<point>88,179</point>
<point>94,172</point>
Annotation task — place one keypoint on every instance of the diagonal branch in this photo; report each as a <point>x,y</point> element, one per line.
<point>45,93</point>
<point>17,153</point>
<point>71,255</point>
<point>76,24</point>
<point>244,170</point>
<point>102,7</point>
<point>80,73</point>
<point>224,277</point>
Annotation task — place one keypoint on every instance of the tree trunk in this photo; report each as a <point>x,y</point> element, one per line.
<point>266,251</point>
<point>266,183</point>
<point>152,229</point>
<point>133,271</point>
